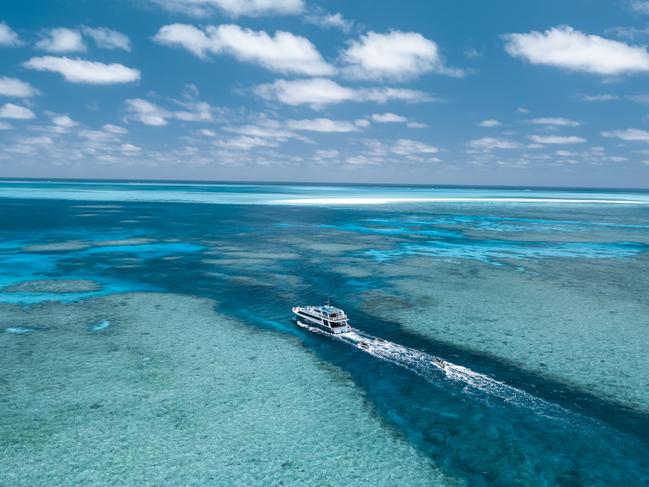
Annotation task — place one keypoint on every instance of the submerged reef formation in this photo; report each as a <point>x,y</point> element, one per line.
<point>53,286</point>
<point>172,393</point>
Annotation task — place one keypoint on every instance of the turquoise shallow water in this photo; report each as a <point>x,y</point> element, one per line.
<point>536,298</point>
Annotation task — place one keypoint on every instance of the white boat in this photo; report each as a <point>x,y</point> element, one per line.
<point>327,318</point>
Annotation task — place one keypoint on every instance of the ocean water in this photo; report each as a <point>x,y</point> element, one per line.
<point>145,335</point>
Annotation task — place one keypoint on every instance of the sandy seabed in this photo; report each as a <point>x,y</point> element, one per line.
<point>172,393</point>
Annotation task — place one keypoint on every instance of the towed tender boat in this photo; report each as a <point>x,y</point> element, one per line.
<point>327,318</point>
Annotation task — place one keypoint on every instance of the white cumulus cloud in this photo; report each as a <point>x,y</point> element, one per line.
<point>106,38</point>
<point>557,139</point>
<point>284,52</point>
<point>61,40</point>
<point>130,149</point>
<point>234,8</point>
<point>490,143</point>
<point>489,123</point>
<point>16,112</point>
<point>557,121</point>
<point>394,56</point>
<point>319,92</point>
<point>146,112</point>
<point>82,71</point>
<point>151,114</point>
<point>641,6</point>
<point>329,21</point>
<point>64,121</point>
<point>40,140</point>
<point>245,143</point>
<point>7,36</point>
<point>567,48</point>
<point>114,129</point>
<point>599,97</point>
<point>388,118</point>
<point>407,147</point>
<point>194,111</point>
<point>322,125</point>
<point>16,88</point>
<point>633,135</point>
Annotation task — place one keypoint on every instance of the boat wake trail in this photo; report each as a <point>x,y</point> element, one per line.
<point>436,370</point>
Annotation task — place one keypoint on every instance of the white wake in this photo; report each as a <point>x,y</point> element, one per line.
<point>435,369</point>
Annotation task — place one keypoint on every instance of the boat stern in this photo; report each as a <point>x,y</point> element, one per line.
<point>338,330</point>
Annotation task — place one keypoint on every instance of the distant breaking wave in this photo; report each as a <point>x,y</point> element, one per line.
<point>300,195</point>
<point>433,369</point>
<point>388,200</point>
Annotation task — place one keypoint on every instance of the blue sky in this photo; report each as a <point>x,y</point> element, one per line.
<point>441,92</point>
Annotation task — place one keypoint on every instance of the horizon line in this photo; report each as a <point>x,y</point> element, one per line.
<point>323,183</point>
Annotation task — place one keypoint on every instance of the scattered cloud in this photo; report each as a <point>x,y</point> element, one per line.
<point>39,140</point>
<point>556,121</point>
<point>63,121</point>
<point>491,143</point>
<point>567,48</point>
<point>640,6</point>
<point>598,97</point>
<point>378,152</point>
<point>326,154</point>
<point>16,112</point>
<point>97,136</point>
<point>130,149</point>
<point>557,139</point>
<point>107,38</point>
<point>149,113</point>
<point>16,88</point>
<point>284,52</point>
<point>61,40</point>
<point>269,129</point>
<point>642,98</point>
<point>319,92</point>
<point>489,123</point>
<point>114,129</point>
<point>329,21</point>
<point>416,125</point>
<point>244,143</point>
<point>628,32</point>
<point>82,71</point>
<point>8,37</point>
<point>396,56</point>
<point>388,118</point>
<point>633,135</point>
<point>234,8</point>
<point>322,125</point>
<point>191,38</point>
<point>407,147</point>
<point>193,111</point>
<point>361,160</point>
